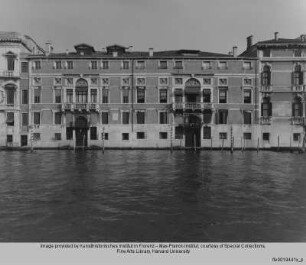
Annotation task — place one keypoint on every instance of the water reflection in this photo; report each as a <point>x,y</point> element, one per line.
<point>152,196</point>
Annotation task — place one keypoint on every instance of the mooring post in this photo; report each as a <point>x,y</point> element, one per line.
<point>232,144</point>
<point>84,142</point>
<point>258,145</point>
<point>211,143</point>
<point>222,144</point>
<point>241,145</point>
<point>103,137</point>
<point>171,138</point>
<point>194,142</point>
<point>290,146</point>
<point>278,143</point>
<point>31,138</point>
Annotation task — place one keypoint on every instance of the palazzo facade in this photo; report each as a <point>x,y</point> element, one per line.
<point>119,98</point>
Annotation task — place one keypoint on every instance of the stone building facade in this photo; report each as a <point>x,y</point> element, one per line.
<point>119,98</point>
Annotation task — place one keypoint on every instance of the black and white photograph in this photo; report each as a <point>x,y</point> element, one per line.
<point>152,132</point>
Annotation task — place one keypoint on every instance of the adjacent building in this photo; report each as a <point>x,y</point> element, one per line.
<point>120,98</point>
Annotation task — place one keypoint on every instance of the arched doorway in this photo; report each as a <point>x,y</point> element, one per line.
<point>192,126</point>
<point>81,129</point>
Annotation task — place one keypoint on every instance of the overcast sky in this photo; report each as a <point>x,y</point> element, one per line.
<point>208,25</point>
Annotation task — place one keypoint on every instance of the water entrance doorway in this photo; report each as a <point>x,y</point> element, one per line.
<point>81,129</point>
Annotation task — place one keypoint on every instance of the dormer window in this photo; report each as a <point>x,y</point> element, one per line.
<point>84,49</point>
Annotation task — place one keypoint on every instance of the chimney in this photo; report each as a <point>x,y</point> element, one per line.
<point>131,48</point>
<point>249,41</point>
<point>230,53</point>
<point>151,52</point>
<point>49,47</point>
<point>115,53</point>
<point>275,35</point>
<point>235,51</point>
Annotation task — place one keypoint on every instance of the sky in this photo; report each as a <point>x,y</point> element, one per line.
<point>207,25</point>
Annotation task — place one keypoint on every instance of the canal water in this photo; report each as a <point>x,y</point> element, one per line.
<point>57,196</point>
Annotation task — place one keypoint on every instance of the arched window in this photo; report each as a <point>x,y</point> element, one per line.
<point>266,76</point>
<point>81,91</point>
<point>297,107</point>
<point>10,94</point>
<point>266,107</point>
<point>297,76</point>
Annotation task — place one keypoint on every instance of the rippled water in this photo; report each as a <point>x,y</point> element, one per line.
<point>152,196</point>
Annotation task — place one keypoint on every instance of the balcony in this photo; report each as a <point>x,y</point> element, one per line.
<point>80,107</point>
<point>191,106</point>
<point>266,89</point>
<point>298,88</point>
<point>10,74</point>
<point>297,120</point>
<point>265,120</point>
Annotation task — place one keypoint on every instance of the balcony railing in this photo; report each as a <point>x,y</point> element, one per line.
<point>191,106</point>
<point>80,106</point>
<point>9,74</point>
<point>297,120</point>
<point>265,120</point>
<point>298,88</point>
<point>266,89</point>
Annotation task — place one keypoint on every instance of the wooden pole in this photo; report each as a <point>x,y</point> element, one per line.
<point>222,144</point>
<point>232,144</point>
<point>211,143</point>
<point>241,145</point>
<point>171,136</point>
<point>278,143</point>
<point>103,137</point>
<point>290,145</point>
<point>194,141</point>
<point>258,145</point>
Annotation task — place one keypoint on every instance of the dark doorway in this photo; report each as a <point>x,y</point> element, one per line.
<point>24,140</point>
<point>81,129</point>
<point>192,137</point>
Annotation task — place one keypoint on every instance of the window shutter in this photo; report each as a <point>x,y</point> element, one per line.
<point>262,109</point>
<point>301,78</point>
<point>217,117</point>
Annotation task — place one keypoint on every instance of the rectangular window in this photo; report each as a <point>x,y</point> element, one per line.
<point>298,53</point>
<point>125,136</point>
<point>179,132</point>
<point>163,64</point>
<point>178,95</point>
<point>178,64</point>
<point>93,133</point>
<point>36,136</point>
<point>247,65</point>
<point>81,96</point>
<point>247,136</point>
<point>10,63</point>
<point>266,136</point>
<point>10,119</point>
<point>222,65</point>
<point>140,117</point>
<point>9,138</point>
<point>247,117</point>
<point>37,65</point>
<point>36,118</point>
<point>296,137</point>
<point>104,95</point>
<point>57,136</point>
<point>206,95</point>
<point>94,65</point>
<point>163,96</point>
<point>105,64</point>
<point>140,95</point>
<point>222,117</point>
<point>25,119</point>
<point>10,93</point>
<point>247,81</point>
<point>70,64</point>
<point>207,115</point>
<point>206,65</point>
<point>140,64</point>
<point>163,135</point>
<point>247,96</point>
<point>25,97</point>
<point>222,135</point>
<point>58,118</point>
<point>206,132</point>
<point>58,95</point>
<point>222,95</point>
<point>125,65</point>
<point>125,95</point>
<point>207,81</point>
<point>69,95</point>
<point>24,67</point>
<point>266,53</point>
<point>37,95</point>
<point>266,109</point>
<point>140,135</point>
<point>163,118</point>
<point>105,136</point>
<point>58,65</point>
<point>93,95</point>
<point>69,133</point>
<point>125,117</point>
<point>104,117</point>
